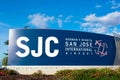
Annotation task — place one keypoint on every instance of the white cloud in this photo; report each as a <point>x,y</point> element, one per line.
<point>99,29</point>
<point>40,20</point>
<point>43,20</point>
<point>102,23</point>
<point>98,6</point>
<point>91,18</point>
<point>114,4</point>
<point>60,22</point>
<point>68,19</point>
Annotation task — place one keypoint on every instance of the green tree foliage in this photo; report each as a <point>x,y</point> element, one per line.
<point>6,42</point>
<point>26,27</point>
<point>5,61</point>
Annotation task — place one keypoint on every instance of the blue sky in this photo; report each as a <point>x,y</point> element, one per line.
<point>98,16</point>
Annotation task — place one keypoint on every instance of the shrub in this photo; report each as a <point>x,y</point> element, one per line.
<point>8,72</point>
<point>63,74</point>
<point>11,72</point>
<point>2,73</point>
<point>38,73</point>
<point>88,74</point>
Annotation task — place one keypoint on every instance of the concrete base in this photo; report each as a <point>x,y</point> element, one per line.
<point>48,70</point>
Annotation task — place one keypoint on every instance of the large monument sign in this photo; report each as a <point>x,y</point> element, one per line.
<point>44,47</point>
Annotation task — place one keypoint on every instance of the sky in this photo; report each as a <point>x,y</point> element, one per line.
<point>97,16</point>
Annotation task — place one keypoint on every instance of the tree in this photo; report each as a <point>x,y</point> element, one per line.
<point>26,27</point>
<point>5,61</point>
<point>6,42</point>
